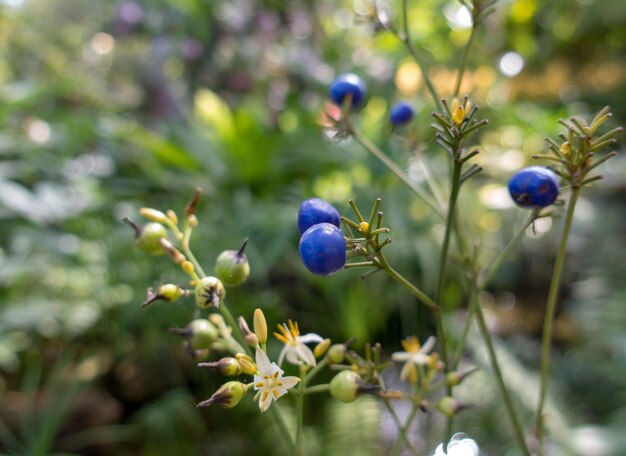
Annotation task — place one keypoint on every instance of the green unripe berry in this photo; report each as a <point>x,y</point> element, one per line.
<point>202,334</point>
<point>336,353</point>
<point>345,386</point>
<point>150,238</point>
<point>227,396</point>
<point>232,266</point>
<point>209,292</point>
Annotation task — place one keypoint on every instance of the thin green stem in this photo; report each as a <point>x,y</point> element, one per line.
<point>300,412</point>
<point>463,64</point>
<point>486,275</point>
<point>230,321</point>
<point>322,388</point>
<point>374,150</point>
<point>419,294</point>
<point>443,262</point>
<point>409,45</point>
<point>548,325</point>
<point>508,403</point>
<point>401,429</point>
<point>284,429</point>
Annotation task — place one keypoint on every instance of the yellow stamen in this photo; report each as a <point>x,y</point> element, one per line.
<point>411,344</point>
<point>264,395</point>
<point>282,338</point>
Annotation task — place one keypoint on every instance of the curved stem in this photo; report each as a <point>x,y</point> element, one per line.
<point>486,275</point>
<point>407,42</point>
<point>401,429</point>
<point>374,150</point>
<point>443,262</point>
<point>419,294</point>
<point>463,64</point>
<point>300,412</point>
<point>230,321</point>
<point>322,388</point>
<point>508,403</point>
<point>548,325</point>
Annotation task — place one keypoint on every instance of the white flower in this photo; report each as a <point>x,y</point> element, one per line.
<point>459,445</point>
<point>269,380</point>
<point>294,348</point>
<point>415,355</point>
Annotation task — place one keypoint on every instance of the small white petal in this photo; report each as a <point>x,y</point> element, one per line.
<point>306,354</point>
<point>265,404</point>
<point>429,344</point>
<point>419,358</point>
<point>283,352</point>
<point>308,338</point>
<point>289,382</point>
<point>292,356</point>
<point>400,356</point>
<point>439,450</point>
<point>263,362</point>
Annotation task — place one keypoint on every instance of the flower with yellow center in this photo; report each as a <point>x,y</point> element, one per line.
<point>295,349</point>
<point>269,380</point>
<point>415,355</point>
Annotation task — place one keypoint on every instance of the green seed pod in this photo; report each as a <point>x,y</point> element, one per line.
<point>149,237</point>
<point>345,386</point>
<point>202,333</point>
<point>227,396</point>
<point>336,353</point>
<point>209,292</point>
<point>232,266</point>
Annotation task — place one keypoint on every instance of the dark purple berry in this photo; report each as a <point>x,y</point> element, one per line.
<point>348,84</point>
<point>323,249</point>
<point>534,186</point>
<point>314,211</point>
<point>401,113</point>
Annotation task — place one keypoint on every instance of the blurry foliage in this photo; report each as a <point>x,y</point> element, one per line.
<point>109,106</point>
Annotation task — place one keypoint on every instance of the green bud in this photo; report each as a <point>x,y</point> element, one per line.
<point>202,333</point>
<point>228,366</point>
<point>148,238</point>
<point>453,378</point>
<point>227,396</point>
<point>232,266</point>
<point>448,406</point>
<point>336,353</point>
<point>200,355</point>
<point>209,292</point>
<point>345,386</point>
<point>168,293</point>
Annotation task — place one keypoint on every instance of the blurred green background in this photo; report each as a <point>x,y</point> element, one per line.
<point>108,106</point>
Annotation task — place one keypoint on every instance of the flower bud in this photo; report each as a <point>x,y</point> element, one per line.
<point>251,339</point>
<point>232,266</point>
<point>345,386</point>
<point>321,348</point>
<point>154,215</point>
<point>453,378</point>
<point>246,364</point>
<point>168,293</point>
<point>228,366</point>
<point>458,115</point>
<point>200,355</point>
<point>209,292</point>
<point>227,396</point>
<point>336,353</point>
<point>260,326</point>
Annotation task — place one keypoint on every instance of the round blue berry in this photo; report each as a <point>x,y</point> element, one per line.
<point>323,249</point>
<point>401,113</point>
<point>348,84</point>
<point>314,211</point>
<point>534,187</point>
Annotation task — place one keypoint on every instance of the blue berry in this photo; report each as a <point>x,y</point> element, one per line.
<point>314,211</point>
<point>534,187</point>
<point>401,113</point>
<point>323,249</point>
<point>348,84</point>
